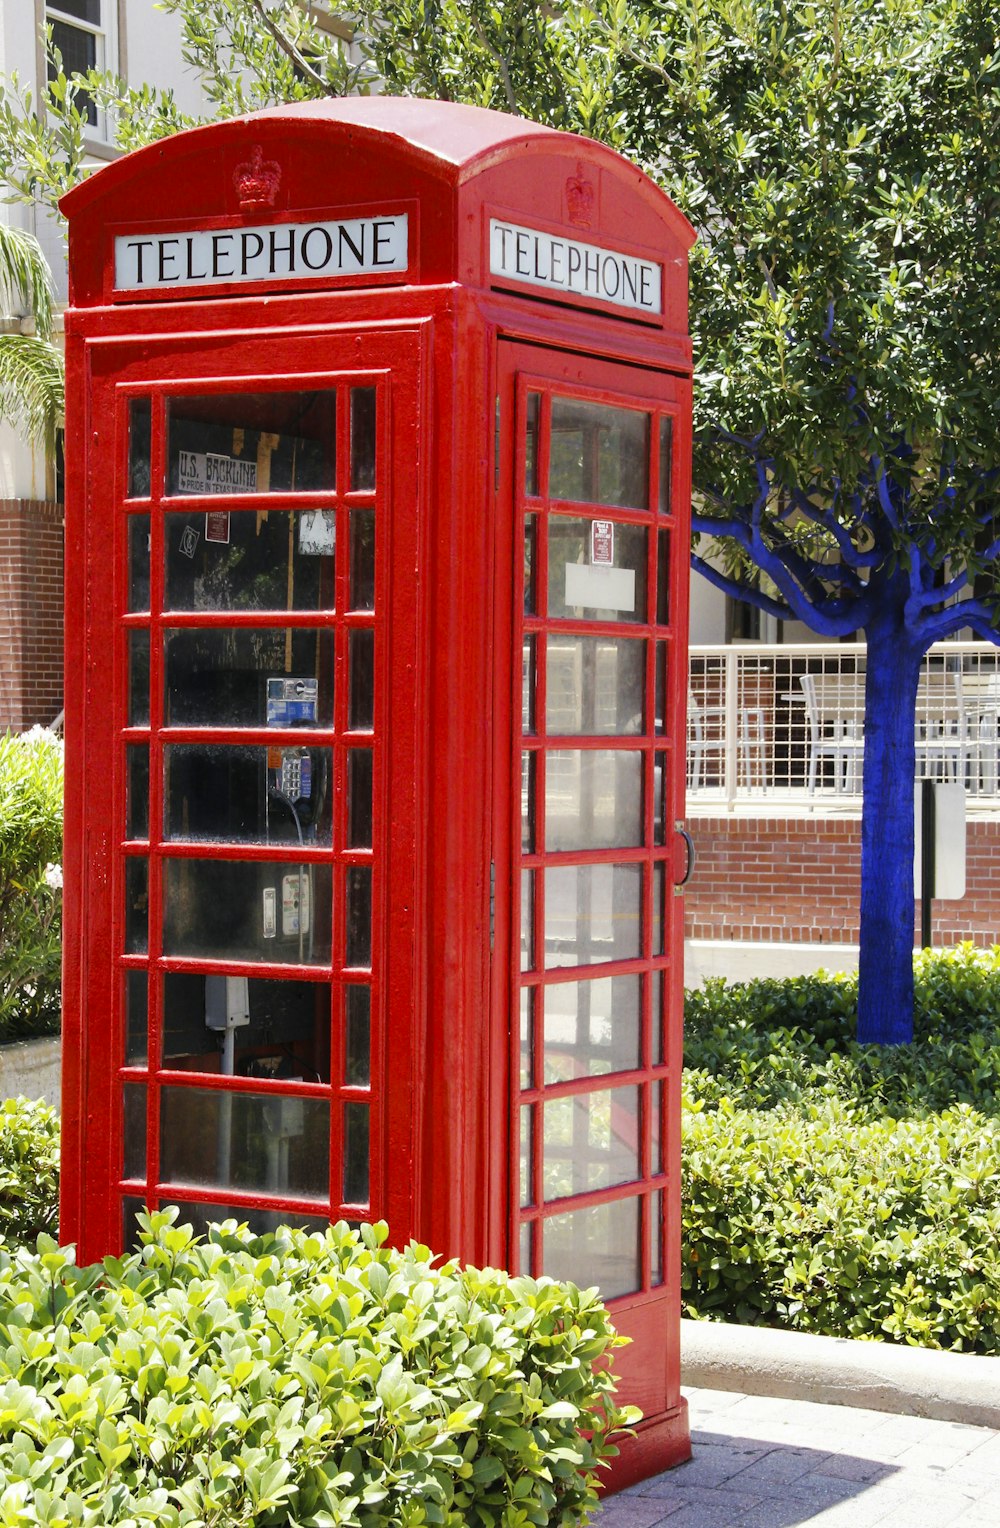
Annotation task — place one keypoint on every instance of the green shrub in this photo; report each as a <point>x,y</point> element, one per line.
<point>29,1170</point>
<point>816,1221</point>
<point>31,782</point>
<point>775,1043</point>
<point>296,1379</point>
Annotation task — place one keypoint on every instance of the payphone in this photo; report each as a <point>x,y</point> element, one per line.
<point>377,516</point>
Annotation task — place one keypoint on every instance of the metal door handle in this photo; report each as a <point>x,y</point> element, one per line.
<point>689,845</point>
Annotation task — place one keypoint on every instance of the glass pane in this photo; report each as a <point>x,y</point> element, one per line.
<point>594,685</point>
<point>527,1132</point>
<point>357,1067</point>
<point>659,877</point>
<point>527,1037</point>
<point>239,560</point>
<point>593,799</point>
<point>592,913</point>
<point>134,1131</point>
<point>663,578</point>
<point>656,1238</point>
<point>136,1018</point>
<point>259,1222</point>
<point>656,1110</point>
<point>136,791</point>
<point>136,906</point>
<point>656,1047</point>
<point>661,687</point>
<point>592,1027</point>
<point>362,559</point>
<point>362,437</point>
<point>526,1262</point>
<point>599,454</point>
<point>78,50</point>
<point>361,696</point>
<point>251,1027</point>
<point>262,1142</point>
<point>666,463</point>
<point>529,679</point>
<point>139,430</point>
<point>599,1245</point>
<point>83,10</point>
<point>130,1230</point>
<point>591,1141</point>
<point>138,562</point>
<point>359,915</point>
<point>532,417</point>
<point>246,795</point>
<point>240,443</point>
<point>359,798</point>
<point>356,1153</point>
<point>247,910</point>
<point>138,677</point>
<point>595,575</point>
<point>527,919</point>
<point>530,564</point>
<point>528,763</point>
<point>659,799</point>
<point>250,677</point>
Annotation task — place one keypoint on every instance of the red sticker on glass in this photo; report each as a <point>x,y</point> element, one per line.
<point>602,543</point>
<point>217,526</point>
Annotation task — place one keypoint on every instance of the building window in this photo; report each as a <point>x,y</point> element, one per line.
<point>80,32</point>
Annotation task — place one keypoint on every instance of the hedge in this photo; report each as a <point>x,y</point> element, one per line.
<point>31,798</point>
<point>296,1379</point>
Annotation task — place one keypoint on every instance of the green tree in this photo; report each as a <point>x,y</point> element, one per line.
<point>31,373</point>
<point>841,162</point>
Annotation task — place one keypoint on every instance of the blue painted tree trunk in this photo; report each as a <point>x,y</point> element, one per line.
<point>885,985</point>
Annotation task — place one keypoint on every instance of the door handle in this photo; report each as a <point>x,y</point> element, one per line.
<point>691,856</point>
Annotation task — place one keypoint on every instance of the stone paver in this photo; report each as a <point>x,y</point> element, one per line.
<point>765,1463</point>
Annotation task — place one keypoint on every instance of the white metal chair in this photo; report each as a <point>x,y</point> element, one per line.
<point>835,730</point>
<point>695,743</point>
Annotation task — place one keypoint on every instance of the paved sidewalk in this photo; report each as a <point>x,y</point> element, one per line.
<point>761,1462</point>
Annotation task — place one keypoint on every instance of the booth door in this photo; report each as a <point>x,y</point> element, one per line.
<point>599,625</point>
<point>236,734</point>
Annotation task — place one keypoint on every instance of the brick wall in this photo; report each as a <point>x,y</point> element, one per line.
<point>31,612</point>
<point>798,880</point>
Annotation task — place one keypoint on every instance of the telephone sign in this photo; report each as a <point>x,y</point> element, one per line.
<point>379,426</point>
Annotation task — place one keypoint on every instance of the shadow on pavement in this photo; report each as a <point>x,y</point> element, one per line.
<point>734,1482</point>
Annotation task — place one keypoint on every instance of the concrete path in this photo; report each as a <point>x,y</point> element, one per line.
<point>767,1462</point>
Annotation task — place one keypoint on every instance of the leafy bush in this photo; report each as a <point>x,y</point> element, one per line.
<point>883,1228</point>
<point>773,1043</point>
<point>31,782</point>
<point>296,1379</point>
<point>845,1189</point>
<point>29,1170</point>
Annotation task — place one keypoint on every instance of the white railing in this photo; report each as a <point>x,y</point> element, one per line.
<point>786,723</point>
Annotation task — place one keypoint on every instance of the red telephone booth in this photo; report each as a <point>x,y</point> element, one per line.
<point>376,622</point>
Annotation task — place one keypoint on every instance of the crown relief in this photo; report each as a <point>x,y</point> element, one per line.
<point>257,181</point>
<point>580,199</point>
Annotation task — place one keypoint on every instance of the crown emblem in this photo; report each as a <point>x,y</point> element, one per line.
<point>580,199</point>
<point>257,181</point>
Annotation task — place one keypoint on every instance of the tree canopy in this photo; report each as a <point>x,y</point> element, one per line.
<point>841,162</point>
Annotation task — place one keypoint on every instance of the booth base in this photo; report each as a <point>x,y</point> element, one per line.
<point>659,1444</point>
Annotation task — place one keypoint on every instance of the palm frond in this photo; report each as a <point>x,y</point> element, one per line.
<point>32,396</point>
<point>25,278</point>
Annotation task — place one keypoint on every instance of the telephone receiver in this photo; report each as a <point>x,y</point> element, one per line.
<point>297,778</point>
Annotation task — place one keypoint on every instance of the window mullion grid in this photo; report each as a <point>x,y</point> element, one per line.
<point>157,584</point>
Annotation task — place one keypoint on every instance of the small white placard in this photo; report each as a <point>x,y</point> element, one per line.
<point>600,588</point>
<point>204,472</point>
<point>568,265</point>
<point>317,533</point>
<point>295,904</point>
<point>949,840</point>
<point>269,252</point>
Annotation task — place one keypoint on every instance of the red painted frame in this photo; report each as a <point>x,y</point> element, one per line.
<point>450,349</point>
